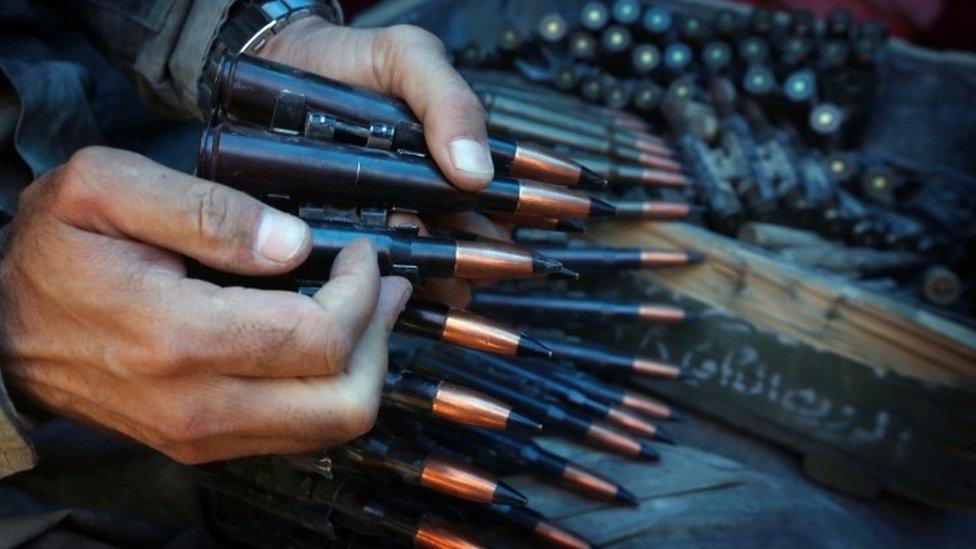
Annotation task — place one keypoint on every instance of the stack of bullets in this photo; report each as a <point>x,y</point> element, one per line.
<point>465,392</point>
<point>746,121</point>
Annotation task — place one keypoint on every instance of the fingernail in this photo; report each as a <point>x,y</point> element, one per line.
<point>280,236</point>
<point>471,157</point>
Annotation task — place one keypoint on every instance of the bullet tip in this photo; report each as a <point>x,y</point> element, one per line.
<point>694,257</point>
<point>522,423</point>
<point>647,453</point>
<point>506,495</point>
<point>601,208</point>
<point>570,225</point>
<point>661,436</point>
<point>565,274</point>
<point>530,348</point>
<point>592,180</point>
<point>626,496</point>
<point>676,416</point>
<point>545,265</point>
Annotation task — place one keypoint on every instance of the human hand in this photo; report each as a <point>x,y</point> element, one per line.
<point>102,324</point>
<point>406,62</point>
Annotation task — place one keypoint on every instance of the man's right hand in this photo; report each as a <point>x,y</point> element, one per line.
<point>102,324</point>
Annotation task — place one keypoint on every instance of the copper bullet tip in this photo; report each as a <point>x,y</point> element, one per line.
<point>660,313</point>
<point>650,368</point>
<point>616,441</point>
<point>435,534</point>
<point>560,537</point>
<point>469,407</point>
<point>463,481</point>
<point>644,405</point>
<point>506,495</point>
<point>657,149</point>
<point>663,178</point>
<point>591,483</point>
<point>530,348</point>
<point>631,422</point>
<point>653,259</point>
<point>517,421</point>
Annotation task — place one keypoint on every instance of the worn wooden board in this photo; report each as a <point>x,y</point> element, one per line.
<point>690,497</point>
<point>819,310</point>
<point>865,428</point>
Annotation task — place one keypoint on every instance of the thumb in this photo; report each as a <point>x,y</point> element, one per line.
<point>120,193</point>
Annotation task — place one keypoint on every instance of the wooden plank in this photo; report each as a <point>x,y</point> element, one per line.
<point>817,309</point>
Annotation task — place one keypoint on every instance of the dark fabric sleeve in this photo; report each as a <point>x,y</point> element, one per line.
<point>162,45</point>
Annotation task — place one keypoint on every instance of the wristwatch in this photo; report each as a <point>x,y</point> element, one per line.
<point>249,26</point>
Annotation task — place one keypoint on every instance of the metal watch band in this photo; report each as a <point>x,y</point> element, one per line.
<point>249,27</point>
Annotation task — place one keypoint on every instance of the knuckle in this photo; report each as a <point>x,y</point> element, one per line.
<point>411,36</point>
<point>74,182</point>
<point>188,420</point>
<point>334,350</point>
<point>360,418</point>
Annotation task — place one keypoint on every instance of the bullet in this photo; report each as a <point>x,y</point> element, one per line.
<point>510,42</point>
<point>606,359</point>
<point>726,24</point>
<point>717,57</point>
<point>566,79</point>
<point>753,50</point>
<point>645,59</point>
<point>263,163</point>
<point>432,533</point>
<point>427,470</point>
<point>416,257</point>
<point>613,394</point>
<point>594,16</point>
<point>541,527</point>
<point>559,308</point>
<point>615,50</point>
<point>838,23</point>
<point>657,22</point>
<point>470,55</point>
<point>625,12</point>
<point>646,97</point>
<point>583,46</point>
<point>666,172</point>
<point>802,23</point>
<point>442,322</point>
<point>694,29</point>
<point>617,95</point>
<point>759,81</point>
<point>794,53</point>
<point>800,87</point>
<point>562,101</point>
<point>443,400</point>
<point>941,286</point>
<point>568,121</point>
<point>397,517</point>
<point>279,96</point>
<point>761,21</point>
<point>834,54</point>
<point>590,88</point>
<point>826,120</point>
<point>551,416</point>
<point>551,29</point>
<point>541,384</point>
<point>552,135</point>
<point>606,258</point>
<point>678,56</point>
<point>562,225</point>
<point>523,455</point>
<point>650,210</point>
